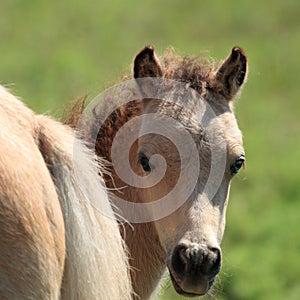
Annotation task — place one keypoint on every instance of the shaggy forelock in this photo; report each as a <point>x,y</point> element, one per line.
<point>193,69</point>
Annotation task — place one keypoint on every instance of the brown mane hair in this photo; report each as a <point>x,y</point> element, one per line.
<point>194,70</point>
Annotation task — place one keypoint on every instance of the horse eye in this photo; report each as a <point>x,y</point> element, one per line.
<point>144,161</point>
<point>237,165</point>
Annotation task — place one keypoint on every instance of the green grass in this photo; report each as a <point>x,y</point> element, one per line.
<point>53,52</point>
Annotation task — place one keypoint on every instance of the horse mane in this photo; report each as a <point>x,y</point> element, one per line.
<point>91,271</point>
<point>195,70</point>
<point>192,69</point>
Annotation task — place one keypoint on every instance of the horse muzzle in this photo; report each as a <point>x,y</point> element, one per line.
<point>193,268</point>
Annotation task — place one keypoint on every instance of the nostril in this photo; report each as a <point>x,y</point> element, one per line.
<point>179,260</point>
<point>192,261</point>
<point>215,258</point>
<point>216,251</point>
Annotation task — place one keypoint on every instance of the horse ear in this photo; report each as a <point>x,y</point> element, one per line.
<point>146,64</point>
<point>232,74</point>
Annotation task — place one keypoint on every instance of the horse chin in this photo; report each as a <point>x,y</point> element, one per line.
<point>184,293</point>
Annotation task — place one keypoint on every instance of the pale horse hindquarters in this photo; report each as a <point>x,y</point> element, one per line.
<point>53,240</point>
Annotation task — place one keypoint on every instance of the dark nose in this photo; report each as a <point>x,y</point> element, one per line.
<point>196,261</point>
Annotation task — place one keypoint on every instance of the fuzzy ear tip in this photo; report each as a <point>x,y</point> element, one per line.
<point>238,51</point>
<point>148,49</point>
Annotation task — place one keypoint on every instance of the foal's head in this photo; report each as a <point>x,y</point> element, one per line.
<point>199,167</point>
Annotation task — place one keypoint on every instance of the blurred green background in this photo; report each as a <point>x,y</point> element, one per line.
<point>54,51</point>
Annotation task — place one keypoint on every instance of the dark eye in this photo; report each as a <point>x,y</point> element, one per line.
<point>144,161</point>
<point>237,165</point>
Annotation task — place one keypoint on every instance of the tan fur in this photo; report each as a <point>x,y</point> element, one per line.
<point>53,242</point>
<point>151,244</point>
<point>32,250</point>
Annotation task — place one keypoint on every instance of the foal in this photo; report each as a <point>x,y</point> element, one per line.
<point>186,240</point>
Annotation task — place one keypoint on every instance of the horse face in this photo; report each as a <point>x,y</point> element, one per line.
<point>191,235</point>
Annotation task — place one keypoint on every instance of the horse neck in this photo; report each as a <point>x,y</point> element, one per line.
<point>147,257</point>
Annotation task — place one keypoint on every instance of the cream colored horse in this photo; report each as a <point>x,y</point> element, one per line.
<point>58,235</point>
<point>187,240</point>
